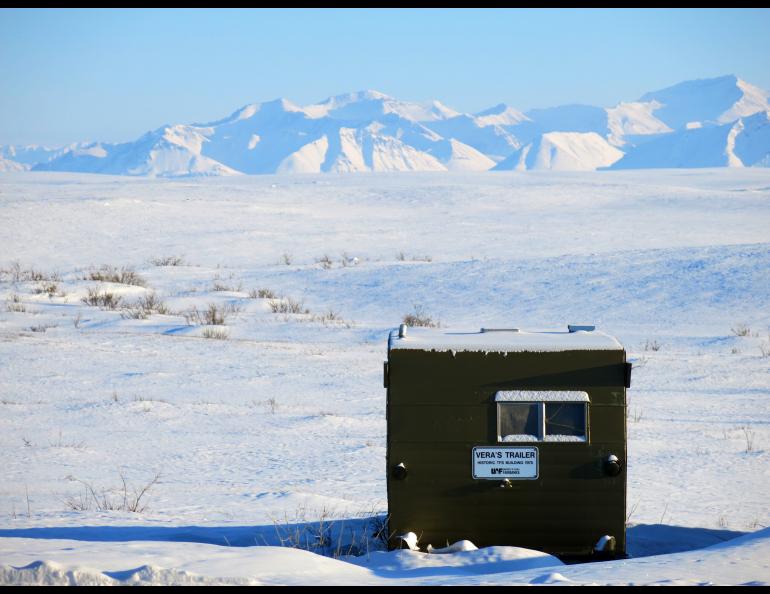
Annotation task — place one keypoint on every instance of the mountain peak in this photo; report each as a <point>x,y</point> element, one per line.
<point>280,104</point>
<point>494,110</point>
<point>726,81</point>
<point>500,115</point>
<point>355,97</point>
<point>370,94</point>
<point>245,112</point>
<point>250,110</point>
<point>370,104</point>
<point>717,100</point>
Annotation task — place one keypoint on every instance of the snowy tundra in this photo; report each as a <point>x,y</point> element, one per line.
<point>191,378</point>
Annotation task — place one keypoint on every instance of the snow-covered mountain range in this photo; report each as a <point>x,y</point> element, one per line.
<point>719,122</point>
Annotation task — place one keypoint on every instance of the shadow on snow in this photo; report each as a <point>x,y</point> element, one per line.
<point>345,537</point>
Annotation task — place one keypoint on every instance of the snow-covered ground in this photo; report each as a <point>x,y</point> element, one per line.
<point>276,434</point>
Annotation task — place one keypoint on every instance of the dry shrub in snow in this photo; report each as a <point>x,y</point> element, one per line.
<point>213,315</point>
<point>262,294</point>
<point>168,261</point>
<point>741,330</point>
<point>15,304</point>
<point>219,286</point>
<point>287,305</point>
<point>151,302</point>
<point>216,333</point>
<point>145,307</point>
<point>48,287</point>
<point>325,262</point>
<point>652,345</point>
<point>331,318</point>
<point>748,435</point>
<point>402,257</point>
<point>112,274</point>
<point>125,498</point>
<point>419,317</point>
<point>103,299</point>
<point>329,533</point>
<point>348,260</point>
<point>17,274</point>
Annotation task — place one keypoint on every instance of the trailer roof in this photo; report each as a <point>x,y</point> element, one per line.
<point>502,341</point>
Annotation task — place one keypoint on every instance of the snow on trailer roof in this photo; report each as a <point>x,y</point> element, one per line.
<point>541,396</point>
<point>502,340</point>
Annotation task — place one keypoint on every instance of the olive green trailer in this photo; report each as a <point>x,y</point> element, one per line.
<point>505,437</point>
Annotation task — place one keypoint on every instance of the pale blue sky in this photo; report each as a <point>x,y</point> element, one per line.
<point>70,75</point>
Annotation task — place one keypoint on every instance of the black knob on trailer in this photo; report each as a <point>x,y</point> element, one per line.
<point>399,472</point>
<point>612,466</point>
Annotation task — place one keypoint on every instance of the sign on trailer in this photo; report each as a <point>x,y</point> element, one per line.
<point>495,462</point>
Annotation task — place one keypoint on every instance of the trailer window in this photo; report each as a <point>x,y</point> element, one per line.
<point>542,421</point>
<point>519,421</point>
<point>565,421</point>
